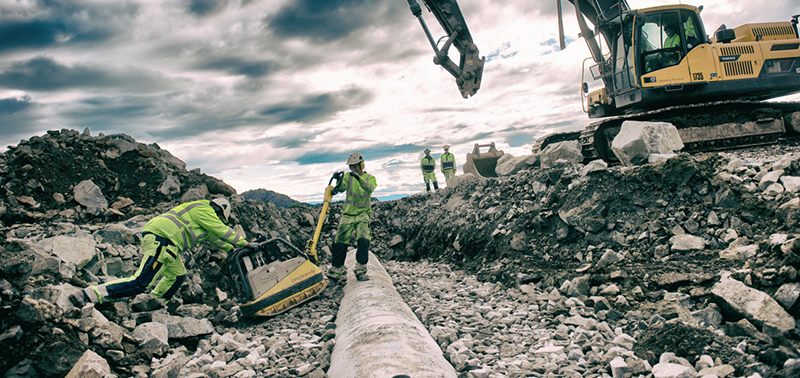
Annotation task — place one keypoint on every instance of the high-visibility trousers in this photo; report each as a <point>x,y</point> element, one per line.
<point>161,267</point>
<point>429,177</point>
<point>350,223</point>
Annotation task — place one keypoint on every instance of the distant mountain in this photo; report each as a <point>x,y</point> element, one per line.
<point>280,200</point>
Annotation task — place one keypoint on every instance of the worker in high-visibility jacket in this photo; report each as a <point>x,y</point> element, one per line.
<point>448,161</point>
<point>358,186</point>
<point>163,239</point>
<point>428,167</point>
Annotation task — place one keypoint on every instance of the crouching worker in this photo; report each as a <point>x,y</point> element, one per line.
<point>359,185</point>
<point>163,239</point>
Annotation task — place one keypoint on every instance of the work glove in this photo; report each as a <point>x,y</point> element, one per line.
<point>253,246</point>
<point>355,175</point>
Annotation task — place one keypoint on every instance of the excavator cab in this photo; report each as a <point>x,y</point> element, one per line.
<point>661,56</point>
<point>665,37</point>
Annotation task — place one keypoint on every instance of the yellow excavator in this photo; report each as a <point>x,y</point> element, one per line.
<point>277,276</point>
<point>662,66</point>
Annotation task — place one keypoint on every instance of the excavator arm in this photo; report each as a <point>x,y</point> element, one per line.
<point>469,70</point>
<point>604,15</point>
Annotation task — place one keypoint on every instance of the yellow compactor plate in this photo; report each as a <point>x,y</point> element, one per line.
<point>298,287</point>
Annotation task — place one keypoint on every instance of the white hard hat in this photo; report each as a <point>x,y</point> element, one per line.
<point>446,146</point>
<point>355,158</point>
<point>223,204</point>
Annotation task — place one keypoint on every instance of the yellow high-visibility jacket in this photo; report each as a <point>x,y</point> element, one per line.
<point>359,193</point>
<point>448,161</point>
<point>428,164</point>
<point>190,223</point>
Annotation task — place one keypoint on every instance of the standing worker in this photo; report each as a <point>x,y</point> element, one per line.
<point>448,161</point>
<point>428,166</point>
<point>163,239</point>
<point>358,186</point>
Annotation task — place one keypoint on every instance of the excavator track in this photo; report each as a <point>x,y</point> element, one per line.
<point>703,127</point>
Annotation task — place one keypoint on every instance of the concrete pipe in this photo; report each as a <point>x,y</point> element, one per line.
<point>377,334</point>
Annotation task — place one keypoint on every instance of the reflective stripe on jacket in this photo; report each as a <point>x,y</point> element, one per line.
<point>448,161</point>
<point>428,164</point>
<point>190,223</point>
<point>359,193</point>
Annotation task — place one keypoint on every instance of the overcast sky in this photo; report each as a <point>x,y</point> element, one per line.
<point>276,94</point>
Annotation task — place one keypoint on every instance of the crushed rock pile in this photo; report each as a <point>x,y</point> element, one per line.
<point>684,265</point>
<point>72,212</point>
<point>717,230</point>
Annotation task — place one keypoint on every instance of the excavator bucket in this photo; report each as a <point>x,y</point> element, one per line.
<point>483,164</point>
<point>273,278</point>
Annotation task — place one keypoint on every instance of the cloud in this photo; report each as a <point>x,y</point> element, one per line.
<point>113,111</point>
<point>205,7</point>
<point>14,105</point>
<point>330,20</point>
<point>61,23</point>
<point>17,118</point>
<point>317,108</point>
<point>237,66</point>
<point>29,34</point>
<point>372,152</point>
<point>297,139</point>
<point>45,74</point>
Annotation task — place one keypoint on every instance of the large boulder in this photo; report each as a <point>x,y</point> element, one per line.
<point>170,186</point>
<point>686,242</point>
<point>455,180</point>
<point>152,331</point>
<point>637,140</point>
<point>752,304</point>
<point>35,311</point>
<point>561,153</point>
<point>90,365</point>
<point>89,195</point>
<point>180,327</point>
<point>78,249</point>
<point>511,165</point>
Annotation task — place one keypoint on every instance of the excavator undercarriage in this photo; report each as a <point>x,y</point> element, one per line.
<point>703,127</point>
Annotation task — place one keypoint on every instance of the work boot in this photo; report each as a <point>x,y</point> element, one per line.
<point>361,272</point>
<point>79,299</point>
<point>428,186</point>
<point>337,274</point>
<point>173,304</point>
<point>435,185</point>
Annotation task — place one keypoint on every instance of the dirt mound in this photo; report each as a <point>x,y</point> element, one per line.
<point>649,233</point>
<point>40,175</point>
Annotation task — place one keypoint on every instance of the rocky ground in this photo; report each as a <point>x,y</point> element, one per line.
<point>565,271</point>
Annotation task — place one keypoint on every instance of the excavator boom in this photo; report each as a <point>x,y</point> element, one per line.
<point>469,71</point>
<point>603,14</point>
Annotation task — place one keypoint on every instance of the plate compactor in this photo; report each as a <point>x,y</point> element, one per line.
<point>277,276</point>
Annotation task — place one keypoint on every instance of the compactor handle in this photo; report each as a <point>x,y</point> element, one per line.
<point>311,245</point>
<point>338,175</point>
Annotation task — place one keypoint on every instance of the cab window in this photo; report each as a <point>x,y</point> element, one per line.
<point>693,29</point>
<point>661,41</point>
